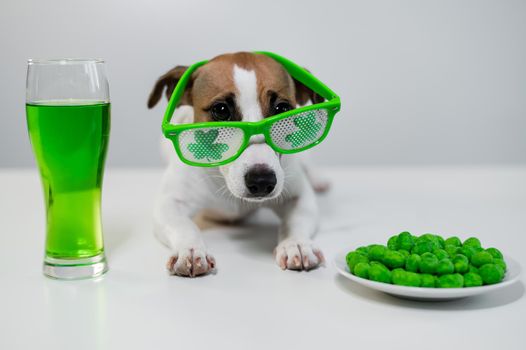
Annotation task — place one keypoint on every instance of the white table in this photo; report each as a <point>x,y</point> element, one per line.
<point>250,303</point>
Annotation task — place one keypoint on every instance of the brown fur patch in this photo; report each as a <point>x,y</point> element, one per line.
<point>214,82</point>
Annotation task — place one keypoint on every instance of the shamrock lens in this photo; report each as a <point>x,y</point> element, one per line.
<point>209,145</point>
<point>300,130</point>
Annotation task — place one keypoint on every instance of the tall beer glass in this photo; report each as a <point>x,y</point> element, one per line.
<point>68,117</point>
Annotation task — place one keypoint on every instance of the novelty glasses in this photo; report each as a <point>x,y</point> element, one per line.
<point>211,144</point>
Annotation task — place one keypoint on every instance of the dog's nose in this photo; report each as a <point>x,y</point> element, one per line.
<point>260,180</point>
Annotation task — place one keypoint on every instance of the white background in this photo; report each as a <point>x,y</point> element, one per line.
<point>422,82</point>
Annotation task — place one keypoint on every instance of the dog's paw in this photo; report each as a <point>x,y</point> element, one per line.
<point>190,262</point>
<point>319,182</point>
<point>321,185</point>
<point>294,254</point>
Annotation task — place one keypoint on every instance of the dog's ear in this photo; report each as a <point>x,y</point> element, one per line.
<point>304,94</point>
<point>169,80</point>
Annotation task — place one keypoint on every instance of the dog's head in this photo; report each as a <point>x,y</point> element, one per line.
<point>241,87</point>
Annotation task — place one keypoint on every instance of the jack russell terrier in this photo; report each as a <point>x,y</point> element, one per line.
<point>237,87</point>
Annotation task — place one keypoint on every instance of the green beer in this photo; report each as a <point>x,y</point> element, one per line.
<point>70,142</point>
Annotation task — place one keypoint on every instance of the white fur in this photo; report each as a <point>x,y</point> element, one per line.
<point>247,94</point>
<point>258,152</point>
<point>185,190</point>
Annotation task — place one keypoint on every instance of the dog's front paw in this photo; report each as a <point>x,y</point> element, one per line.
<point>318,181</point>
<point>295,254</point>
<point>190,262</point>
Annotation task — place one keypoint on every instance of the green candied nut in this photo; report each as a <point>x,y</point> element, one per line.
<point>495,253</point>
<point>392,243</point>
<point>445,267</point>
<point>454,241</point>
<point>473,269</point>
<point>461,263</point>
<point>377,252</point>
<point>452,250</point>
<point>397,275</point>
<point>423,247</point>
<point>441,254</point>
<point>429,263</point>
<point>501,263</point>
<point>362,270</point>
<point>363,250</point>
<point>481,258</point>
<point>405,241</point>
<point>412,279</point>
<point>379,273</point>
<point>405,278</point>
<point>354,258</point>
<point>454,280</point>
<point>349,255</point>
<point>467,252</point>
<point>428,281</point>
<point>441,242</point>
<point>491,273</point>
<point>427,237</point>
<point>412,263</point>
<point>404,252</point>
<point>393,259</point>
<point>472,242</point>
<point>472,279</point>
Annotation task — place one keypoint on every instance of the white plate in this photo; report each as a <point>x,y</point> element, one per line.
<point>429,294</point>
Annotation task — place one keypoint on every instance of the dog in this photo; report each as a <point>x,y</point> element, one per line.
<point>237,87</point>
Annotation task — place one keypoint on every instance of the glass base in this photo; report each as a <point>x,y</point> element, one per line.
<point>74,269</point>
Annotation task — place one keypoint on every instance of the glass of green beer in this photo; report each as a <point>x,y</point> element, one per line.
<point>68,117</point>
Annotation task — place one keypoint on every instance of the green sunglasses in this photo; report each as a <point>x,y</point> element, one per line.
<point>212,144</point>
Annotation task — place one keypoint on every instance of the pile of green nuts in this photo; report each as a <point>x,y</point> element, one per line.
<point>428,261</point>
